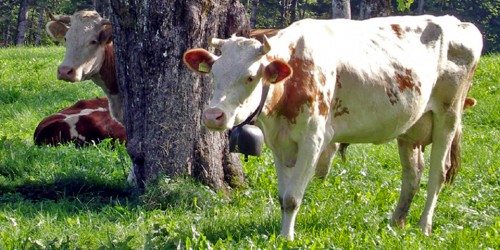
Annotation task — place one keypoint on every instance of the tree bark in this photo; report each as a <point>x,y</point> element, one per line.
<point>40,23</point>
<point>374,8</point>
<point>163,100</point>
<point>253,17</point>
<point>341,9</point>
<point>420,8</point>
<point>293,11</point>
<point>22,19</point>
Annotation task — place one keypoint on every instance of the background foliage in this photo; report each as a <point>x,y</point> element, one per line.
<point>270,14</point>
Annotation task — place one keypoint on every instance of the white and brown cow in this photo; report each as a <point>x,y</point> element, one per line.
<point>345,81</point>
<point>87,121</point>
<point>89,53</point>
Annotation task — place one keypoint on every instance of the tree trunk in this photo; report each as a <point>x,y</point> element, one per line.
<point>293,11</point>
<point>374,8</point>
<point>341,9</point>
<point>40,23</point>
<point>253,17</point>
<point>22,19</point>
<point>420,8</point>
<point>163,99</point>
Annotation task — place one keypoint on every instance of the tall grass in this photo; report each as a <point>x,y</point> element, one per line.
<point>68,197</point>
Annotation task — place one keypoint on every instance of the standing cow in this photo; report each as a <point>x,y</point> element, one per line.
<point>345,81</point>
<point>89,53</point>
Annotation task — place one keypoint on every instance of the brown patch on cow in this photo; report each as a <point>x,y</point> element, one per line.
<point>338,82</point>
<point>288,98</point>
<point>338,108</point>
<point>321,78</point>
<point>323,106</point>
<point>393,96</point>
<point>52,136</point>
<point>108,72</point>
<point>397,30</point>
<point>406,81</point>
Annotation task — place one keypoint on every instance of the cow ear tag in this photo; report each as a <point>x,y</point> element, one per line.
<point>204,67</point>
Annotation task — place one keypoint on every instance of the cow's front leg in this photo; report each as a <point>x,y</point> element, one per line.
<point>293,181</point>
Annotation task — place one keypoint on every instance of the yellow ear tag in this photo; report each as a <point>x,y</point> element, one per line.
<point>273,78</point>
<point>204,67</point>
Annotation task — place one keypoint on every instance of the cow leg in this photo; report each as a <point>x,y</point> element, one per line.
<point>444,129</point>
<point>293,182</point>
<point>287,218</point>
<point>325,160</point>
<point>412,161</point>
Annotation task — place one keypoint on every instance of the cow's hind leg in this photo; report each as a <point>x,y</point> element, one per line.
<point>445,126</point>
<point>412,161</point>
<point>325,160</point>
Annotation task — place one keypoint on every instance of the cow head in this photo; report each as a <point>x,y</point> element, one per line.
<point>86,35</point>
<point>238,75</point>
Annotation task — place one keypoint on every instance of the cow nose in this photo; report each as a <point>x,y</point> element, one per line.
<point>214,118</point>
<point>66,73</point>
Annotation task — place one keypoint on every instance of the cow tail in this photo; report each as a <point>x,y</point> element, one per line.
<point>455,157</point>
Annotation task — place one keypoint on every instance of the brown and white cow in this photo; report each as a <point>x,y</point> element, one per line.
<point>89,53</point>
<point>344,81</point>
<point>87,121</point>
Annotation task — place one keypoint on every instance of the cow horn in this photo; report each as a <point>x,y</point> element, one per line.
<point>60,18</point>
<point>216,42</point>
<point>266,47</point>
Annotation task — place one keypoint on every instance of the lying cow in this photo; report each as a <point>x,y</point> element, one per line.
<point>344,81</point>
<point>89,53</point>
<point>87,121</point>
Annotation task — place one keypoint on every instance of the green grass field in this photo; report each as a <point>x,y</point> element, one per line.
<point>66,197</point>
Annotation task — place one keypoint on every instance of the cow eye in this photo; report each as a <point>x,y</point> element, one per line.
<point>93,42</point>
<point>250,79</point>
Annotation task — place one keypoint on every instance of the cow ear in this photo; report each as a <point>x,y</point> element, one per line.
<point>277,71</point>
<point>106,33</point>
<point>199,60</point>
<point>56,30</point>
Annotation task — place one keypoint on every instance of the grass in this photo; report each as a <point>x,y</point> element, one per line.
<point>67,197</point>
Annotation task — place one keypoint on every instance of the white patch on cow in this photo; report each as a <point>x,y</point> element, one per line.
<point>72,120</point>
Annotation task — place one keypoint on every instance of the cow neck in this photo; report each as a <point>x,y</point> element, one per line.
<point>253,117</point>
<point>107,73</point>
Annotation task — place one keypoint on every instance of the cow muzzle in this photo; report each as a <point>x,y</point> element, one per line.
<point>214,119</point>
<point>66,73</point>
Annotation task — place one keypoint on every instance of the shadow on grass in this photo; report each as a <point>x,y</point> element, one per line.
<point>69,188</point>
